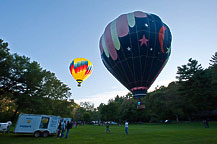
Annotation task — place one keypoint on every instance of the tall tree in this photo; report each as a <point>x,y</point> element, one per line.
<point>187,83</point>
<point>213,60</point>
<point>185,72</point>
<point>5,64</point>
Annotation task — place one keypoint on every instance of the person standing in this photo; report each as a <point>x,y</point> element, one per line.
<point>68,127</point>
<point>126,127</point>
<point>63,128</point>
<point>205,122</point>
<point>107,127</point>
<point>75,124</point>
<point>59,130</point>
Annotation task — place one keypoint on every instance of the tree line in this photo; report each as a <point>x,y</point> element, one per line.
<point>25,87</point>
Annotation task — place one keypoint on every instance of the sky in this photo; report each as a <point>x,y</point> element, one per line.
<point>54,32</point>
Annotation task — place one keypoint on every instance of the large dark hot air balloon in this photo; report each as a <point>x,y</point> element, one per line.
<point>134,48</point>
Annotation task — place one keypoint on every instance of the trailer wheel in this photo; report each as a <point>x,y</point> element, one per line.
<point>45,134</point>
<point>37,134</point>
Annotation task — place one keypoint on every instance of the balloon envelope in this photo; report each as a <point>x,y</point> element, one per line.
<point>134,48</point>
<point>81,69</point>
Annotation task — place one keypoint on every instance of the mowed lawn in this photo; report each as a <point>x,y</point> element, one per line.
<point>183,133</point>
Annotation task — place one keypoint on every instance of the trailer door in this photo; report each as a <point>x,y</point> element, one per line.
<point>44,122</point>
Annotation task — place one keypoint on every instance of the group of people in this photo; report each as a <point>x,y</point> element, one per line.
<point>62,127</point>
<point>126,127</point>
<point>66,126</point>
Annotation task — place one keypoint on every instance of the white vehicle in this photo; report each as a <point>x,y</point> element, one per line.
<point>37,124</point>
<point>4,126</point>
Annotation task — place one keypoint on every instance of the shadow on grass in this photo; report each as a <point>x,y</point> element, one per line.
<point>29,136</point>
<point>23,135</point>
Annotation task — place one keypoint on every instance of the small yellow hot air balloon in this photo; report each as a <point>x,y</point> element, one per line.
<point>81,69</point>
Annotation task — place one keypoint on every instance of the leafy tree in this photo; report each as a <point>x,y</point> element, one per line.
<point>24,85</point>
<point>95,115</point>
<point>24,81</point>
<point>128,110</point>
<point>209,88</point>
<point>158,104</point>
<point>175,102</point>
<point>79,113</point>
<point>112,111</point>
<point>86,117</point>
<point>87,106</point>
<point>101,111</point>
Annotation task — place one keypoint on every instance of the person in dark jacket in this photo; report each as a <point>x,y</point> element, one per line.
<point>206,124</point>
<point>59,130</point>
<point>107,127</point>
<point>68,127</point>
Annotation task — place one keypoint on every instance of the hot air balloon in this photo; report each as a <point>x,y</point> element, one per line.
<point>135,48</point>
<point>81,69</point>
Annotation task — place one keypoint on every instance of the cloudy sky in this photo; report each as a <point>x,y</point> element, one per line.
<point>54,32</point>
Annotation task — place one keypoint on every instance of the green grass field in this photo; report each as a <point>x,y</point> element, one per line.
<point>183,133</point>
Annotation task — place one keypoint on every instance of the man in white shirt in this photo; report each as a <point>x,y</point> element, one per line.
<point>126,127</point>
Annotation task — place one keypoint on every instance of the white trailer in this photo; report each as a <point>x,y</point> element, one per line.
<point>38,125</point>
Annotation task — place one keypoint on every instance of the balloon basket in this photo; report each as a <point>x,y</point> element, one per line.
<point>141,107</point>
<point>79,85</point>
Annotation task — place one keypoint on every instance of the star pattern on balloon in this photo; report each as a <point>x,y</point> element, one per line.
<point>168,50</point>
<point>128,48</point>
<point>143,41</point>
